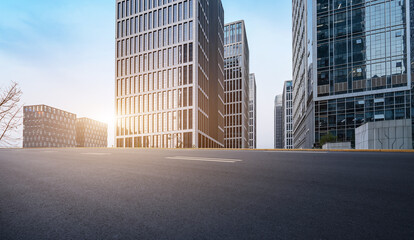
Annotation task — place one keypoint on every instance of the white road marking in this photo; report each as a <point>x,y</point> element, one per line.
<point>295,152</point>
<point>222,160</point>
<point>97,154</point>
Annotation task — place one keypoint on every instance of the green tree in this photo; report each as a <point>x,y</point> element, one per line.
<point>328,138</point>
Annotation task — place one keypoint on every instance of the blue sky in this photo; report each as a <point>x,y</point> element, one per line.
<point>62,53</point>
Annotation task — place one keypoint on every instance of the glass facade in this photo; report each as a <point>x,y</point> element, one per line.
<point>341,116</point>
<point>412,113</point>
<point>169,77</point>
<point>236,66</point>
<point>361,46</point>
<point>362,65</point>
<point>412,63</point>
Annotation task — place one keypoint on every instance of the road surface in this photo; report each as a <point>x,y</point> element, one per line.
<point>205,194</point>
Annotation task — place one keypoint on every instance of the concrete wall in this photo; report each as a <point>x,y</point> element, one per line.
<point>340,145</point>
<point>393,134</point>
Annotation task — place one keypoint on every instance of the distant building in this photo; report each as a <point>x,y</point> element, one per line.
<point>252,112</point>
<point>236,68</point>
<point>91,133</point>
<point>287,115</point>
<point>45,126</point>
<point>278,122</point>
<point>48,127</point>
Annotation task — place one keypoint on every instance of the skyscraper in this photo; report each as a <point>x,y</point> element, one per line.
<point>412,64</point>
<point>236,66</point>
<point>252,112</point>
<point>287,115</point>
<point>363,66</point>
<point>278,126</point>
<point>352,61</point>
<point>303,80</point>
<point>169,74</point>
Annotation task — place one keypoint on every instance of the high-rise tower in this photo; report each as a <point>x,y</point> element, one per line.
<point>236,65</point>
<point>169,73</point>
<point>303,80</point>
<point>351,59</point>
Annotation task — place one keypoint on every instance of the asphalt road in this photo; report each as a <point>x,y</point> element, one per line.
<point>205,194</point>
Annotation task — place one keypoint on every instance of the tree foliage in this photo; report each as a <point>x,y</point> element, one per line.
<point>328,138</point>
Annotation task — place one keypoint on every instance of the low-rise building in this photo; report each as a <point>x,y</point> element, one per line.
<point>392,134</point>
<point>45,126</point>
<point>91,133</point>
<point>48,127</point>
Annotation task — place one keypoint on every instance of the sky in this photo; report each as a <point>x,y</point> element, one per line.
<point>62,54</point>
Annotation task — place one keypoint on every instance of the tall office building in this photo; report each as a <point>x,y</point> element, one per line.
<point>412,64</point>
<point>353,61</point>
<point>252,112</point>
<point>287,115</point>
<point>169,73</point>
<point>91,133</point>
<point>45,126</point>
<point>278,126</point>
<point>236,66</point>
<point>363,66</point>
<point>303,79</point>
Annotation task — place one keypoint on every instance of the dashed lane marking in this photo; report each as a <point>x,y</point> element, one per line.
<point>96,154</point>
<point>304,152</point>
<point>201,159</point>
